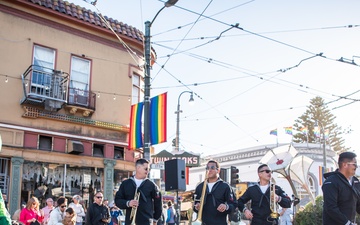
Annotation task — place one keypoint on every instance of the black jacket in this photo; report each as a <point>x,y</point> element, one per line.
<point>341,200</point>
<point>150,202</point>
<point>260,203</point>
<point>220,193</point>
<point>96,213</point>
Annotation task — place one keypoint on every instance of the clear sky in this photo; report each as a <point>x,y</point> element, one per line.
<point>240,92</point>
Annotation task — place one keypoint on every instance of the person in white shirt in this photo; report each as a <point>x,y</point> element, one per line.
<point>79,210</point>
<point>285,216</point>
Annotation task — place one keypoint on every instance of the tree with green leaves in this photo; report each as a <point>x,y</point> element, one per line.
<point>318,116</point>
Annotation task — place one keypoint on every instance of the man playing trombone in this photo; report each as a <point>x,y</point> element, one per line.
<point>140,197</point>
<point>214,198</point>
<point>264,198</point>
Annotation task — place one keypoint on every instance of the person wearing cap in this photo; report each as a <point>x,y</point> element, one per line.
<point>341,191</point>
<point>78,208</point>
<point>47,209</point>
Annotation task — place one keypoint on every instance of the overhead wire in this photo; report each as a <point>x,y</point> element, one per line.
<point>183,38</point>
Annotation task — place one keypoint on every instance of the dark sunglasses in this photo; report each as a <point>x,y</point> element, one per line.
<point>63,206</point>
<point>266,171</point>
<point>211,168</point>
<point>98,196</point>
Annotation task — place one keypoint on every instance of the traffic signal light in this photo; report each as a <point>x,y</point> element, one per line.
<point>234,176</point>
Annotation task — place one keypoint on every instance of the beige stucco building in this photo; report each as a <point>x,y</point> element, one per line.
<point>66,86</point>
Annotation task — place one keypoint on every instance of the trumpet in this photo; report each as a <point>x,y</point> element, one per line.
<point>202,199</point>
<point>273,204</point>
<point>134,209</point>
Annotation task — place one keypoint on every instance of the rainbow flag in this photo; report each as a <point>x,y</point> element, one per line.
<point>288,130</point>
<point>326,133</point>
<point>135,134</point>
<point>158,119</point>
<point>304,130</point>
<point>321,175</point>
<point>317,132</point>
<point>273,132</point>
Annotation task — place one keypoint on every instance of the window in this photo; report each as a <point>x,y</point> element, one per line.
<point>118,152</point>
<point>44,64</point>
<point>135,88</point>
<point>79,81</point>
<point>45,142</point>
<point>98,150</point>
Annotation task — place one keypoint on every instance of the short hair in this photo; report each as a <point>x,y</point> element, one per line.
<point>346,157</point>
<point>70,210</point>
<point>169,203</point>
<point>141,162</point>
<point>261,166</point>
<point>214,161</point>
<point>49,200</point>
<point>61,200</point>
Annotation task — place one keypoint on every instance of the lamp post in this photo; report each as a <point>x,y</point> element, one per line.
<point>322,129</point>
<point>178,111</point>
<point>147,83</point>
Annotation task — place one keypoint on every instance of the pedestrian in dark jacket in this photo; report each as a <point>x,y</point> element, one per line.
<point>259,195</point>
<point>341,191</point>
<point>219,198</point>
<point>98,213</point>
<point>149,205</point>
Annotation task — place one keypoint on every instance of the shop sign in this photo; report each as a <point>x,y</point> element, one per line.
<point>87,179</point>
<point>191,160</point>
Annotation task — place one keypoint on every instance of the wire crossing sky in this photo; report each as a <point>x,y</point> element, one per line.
<point>252,65</point>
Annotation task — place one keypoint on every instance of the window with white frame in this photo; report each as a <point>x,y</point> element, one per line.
<point>43,66</point>
<point>135,88</point>
<point>79,81</point>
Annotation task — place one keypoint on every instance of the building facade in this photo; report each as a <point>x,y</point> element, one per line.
<point>66,84</point>
<point>248,160</point>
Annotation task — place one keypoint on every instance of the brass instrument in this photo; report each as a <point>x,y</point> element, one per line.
<point>273,204</point>
<point>134,209</point>
<point>202,199</point>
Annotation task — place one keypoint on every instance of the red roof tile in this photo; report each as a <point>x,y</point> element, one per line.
<point>88,16</point>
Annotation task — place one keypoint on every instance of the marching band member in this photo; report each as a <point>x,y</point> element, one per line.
<point>149,205</point>
<point>260,199</point>
<point>218,196</point>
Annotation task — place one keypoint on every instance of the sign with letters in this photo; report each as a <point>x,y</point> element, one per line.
<point>191,160</point>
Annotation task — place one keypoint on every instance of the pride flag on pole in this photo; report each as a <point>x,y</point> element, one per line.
<point>135,134</point>
<point>304,130</point>
<point>158,106</point>
<point>288,130</point>
<point>273,132</point>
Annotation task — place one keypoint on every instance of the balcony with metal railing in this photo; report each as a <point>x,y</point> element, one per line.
<point>44,87</point>
<point>81,100</point>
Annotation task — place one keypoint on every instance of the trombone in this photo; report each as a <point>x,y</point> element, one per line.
<point>202,200</point>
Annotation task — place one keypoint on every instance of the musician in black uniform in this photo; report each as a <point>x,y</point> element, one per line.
<point>219,198</point>
<point>259,195</point>
<point>149,205</point>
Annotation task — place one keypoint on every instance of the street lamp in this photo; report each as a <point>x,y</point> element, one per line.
<point>177,141</point>
<point>322,129</point>
<point>147,84</point>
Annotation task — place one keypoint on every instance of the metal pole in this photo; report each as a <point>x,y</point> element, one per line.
<point>147,92</point>
<point>177,127</point>
<point>178,111</point>
<point>147,83</point>
<point>324,152</point>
